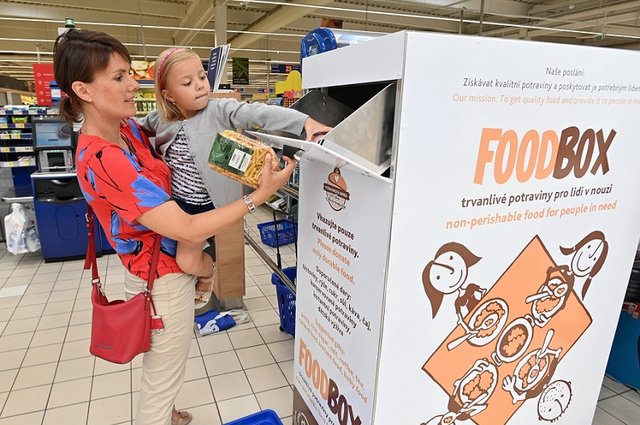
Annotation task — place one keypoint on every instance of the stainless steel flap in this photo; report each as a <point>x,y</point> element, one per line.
<point>368,132</point>
<point>322,108</point>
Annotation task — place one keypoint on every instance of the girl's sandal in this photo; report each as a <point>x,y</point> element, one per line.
<point>203,297</point>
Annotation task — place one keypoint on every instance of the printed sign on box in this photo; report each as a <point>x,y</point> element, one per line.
<point>517,276</point>
<point>339,297</point>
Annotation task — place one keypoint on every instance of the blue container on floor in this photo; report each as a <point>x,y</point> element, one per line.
<point>624,359</point>
<point>286,301</point>
<point>265,417</point>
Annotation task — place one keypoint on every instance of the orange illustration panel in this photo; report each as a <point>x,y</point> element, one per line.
<point>514,339</point>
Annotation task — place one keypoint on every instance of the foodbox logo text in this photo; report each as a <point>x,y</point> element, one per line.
<point>542,154</point>
<point>337,402</point>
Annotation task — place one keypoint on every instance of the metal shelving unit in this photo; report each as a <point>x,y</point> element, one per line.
<point>288,192</point>
<point>16,149</point>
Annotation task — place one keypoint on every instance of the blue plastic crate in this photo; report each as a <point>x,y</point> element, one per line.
<point>286,301</point>
<point>265,417</point>
<point>624,358</point>
<point>286,229</point>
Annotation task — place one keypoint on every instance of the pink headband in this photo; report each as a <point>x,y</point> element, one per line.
<point>163,60</point>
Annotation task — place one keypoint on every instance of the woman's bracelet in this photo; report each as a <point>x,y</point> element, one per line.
<point>249,203</point>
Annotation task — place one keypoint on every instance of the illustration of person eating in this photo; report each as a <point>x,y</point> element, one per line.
<point>447,274</point>
<point>588,257</point>
<point>534,372</point>
<point>552,295</point>
<point>470,394</point>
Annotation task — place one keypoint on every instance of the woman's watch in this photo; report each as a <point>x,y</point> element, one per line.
<point>249,203</point>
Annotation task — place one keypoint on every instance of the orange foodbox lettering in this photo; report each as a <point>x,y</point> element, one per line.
<point>328,388</point>
<point>339,406</point>
<point>313,370</point>
<point>542,155</point>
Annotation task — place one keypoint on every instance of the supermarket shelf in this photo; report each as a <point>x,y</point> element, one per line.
<point>270,263</point>
<point>257,247</point>
<point>10,196</point>
<point>15,139</point>
<point>17,125</point>
<point>290,191</point>
<point>22,163</point>
<point>14,149</point>
<point>23,113</point>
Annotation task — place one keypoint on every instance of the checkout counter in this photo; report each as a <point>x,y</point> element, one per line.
<point>59,205</point>
<point>60,212</point>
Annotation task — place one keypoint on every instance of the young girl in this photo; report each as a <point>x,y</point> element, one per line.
<point>185,125</point>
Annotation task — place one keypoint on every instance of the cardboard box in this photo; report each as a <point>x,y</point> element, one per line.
<point>230,283</point>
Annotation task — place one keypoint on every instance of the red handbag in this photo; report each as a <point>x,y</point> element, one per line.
<point>120,330</point>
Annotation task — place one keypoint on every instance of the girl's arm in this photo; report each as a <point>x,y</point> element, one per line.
<point>271,117</point>
<point>169,220</point>
<point>252,116</point>
<point>149,123</point>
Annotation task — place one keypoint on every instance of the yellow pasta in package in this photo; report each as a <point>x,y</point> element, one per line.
<point>238,157</point>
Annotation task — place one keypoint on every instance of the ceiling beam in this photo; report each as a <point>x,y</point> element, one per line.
<point>509,7</point>
<point>577,20</point>
<point>199,14</point>
<point>601,26</point>
<point>564,6</point>
<point>277,18</point>
<point>393,23</point>
<point>111,11</point>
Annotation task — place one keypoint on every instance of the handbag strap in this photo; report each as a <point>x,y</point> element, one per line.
<point>91,261</point>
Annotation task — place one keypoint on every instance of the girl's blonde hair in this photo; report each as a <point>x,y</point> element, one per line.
<point>165,62</point>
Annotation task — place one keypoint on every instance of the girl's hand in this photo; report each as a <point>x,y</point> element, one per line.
<point>272,178</point>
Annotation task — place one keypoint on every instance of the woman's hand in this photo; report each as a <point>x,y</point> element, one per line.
<point>272,178</point>
<point>315,130</point>
<point>275,165</point>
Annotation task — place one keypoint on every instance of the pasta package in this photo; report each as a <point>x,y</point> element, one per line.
<point>238,157</point>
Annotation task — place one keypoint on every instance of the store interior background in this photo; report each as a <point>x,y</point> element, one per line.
<point>269,31</point>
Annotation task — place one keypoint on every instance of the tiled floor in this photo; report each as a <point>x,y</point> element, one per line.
<point>47,376</point>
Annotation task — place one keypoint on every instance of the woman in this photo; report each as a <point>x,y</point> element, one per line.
<point>128,187</point>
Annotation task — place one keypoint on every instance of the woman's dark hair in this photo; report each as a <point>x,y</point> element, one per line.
<point>77,56</point>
